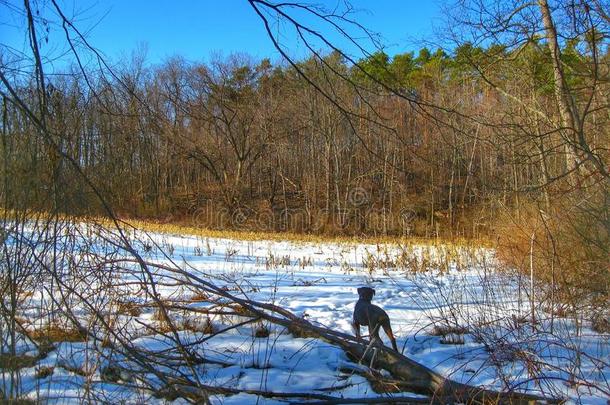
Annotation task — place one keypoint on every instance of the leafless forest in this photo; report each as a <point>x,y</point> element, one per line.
<point>502,136</point>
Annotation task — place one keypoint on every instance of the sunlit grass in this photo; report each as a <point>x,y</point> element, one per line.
<point>181,228</point>
<point>248,235</point>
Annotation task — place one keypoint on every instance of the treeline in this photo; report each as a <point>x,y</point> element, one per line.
<point>248,144</point>
<point>505,137</point>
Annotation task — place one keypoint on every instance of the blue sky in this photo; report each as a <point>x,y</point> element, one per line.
<point>198,29</point>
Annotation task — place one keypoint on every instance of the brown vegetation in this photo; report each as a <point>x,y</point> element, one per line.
<point>503,136</point>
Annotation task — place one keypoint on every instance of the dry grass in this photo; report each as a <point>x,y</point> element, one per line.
<point>182,228</point>
<point>261,331</point>
<point>130,308</point>
<point>445,330</point>
<point>162,318</point>
<point>199,297</point>
<point>204,326</point>
<point>168,321</point>
<point>73,368</point>
<point>601,324</point>
<point>567,251</point>
<point>54,333</point>
<point>44,372</point>
<point>16,362</point>
<point>18,401</point>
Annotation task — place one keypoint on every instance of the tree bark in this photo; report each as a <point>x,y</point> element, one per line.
<point>567,109</point>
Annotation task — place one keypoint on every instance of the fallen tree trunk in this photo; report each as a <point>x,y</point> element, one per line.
<point>414,376</point>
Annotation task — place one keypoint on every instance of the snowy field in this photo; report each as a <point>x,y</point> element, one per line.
<point>450,309</point>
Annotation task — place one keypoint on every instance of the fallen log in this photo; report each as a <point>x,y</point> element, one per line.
<point>416,377</point>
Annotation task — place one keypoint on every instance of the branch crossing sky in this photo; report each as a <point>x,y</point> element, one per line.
<point>196,30</point>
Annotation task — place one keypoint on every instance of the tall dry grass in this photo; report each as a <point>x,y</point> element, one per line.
<point>565,247</point>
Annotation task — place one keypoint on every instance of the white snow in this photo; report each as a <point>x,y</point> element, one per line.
<point>460,287</point>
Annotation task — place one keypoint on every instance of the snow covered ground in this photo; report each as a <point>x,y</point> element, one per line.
<point>450,309</point>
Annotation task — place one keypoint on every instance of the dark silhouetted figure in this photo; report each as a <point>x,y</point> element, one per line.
<point>371,316</point>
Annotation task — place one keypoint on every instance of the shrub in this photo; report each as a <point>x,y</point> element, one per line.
<point>568,246</point>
